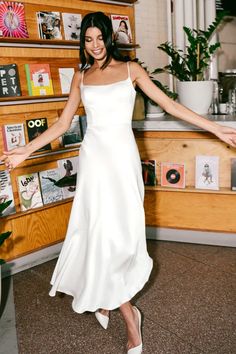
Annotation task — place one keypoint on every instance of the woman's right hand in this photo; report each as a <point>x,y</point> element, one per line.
<point>14,157</point>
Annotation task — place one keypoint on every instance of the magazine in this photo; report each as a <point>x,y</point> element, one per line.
<point>149,172</point>
<point>68,173</point>
<point>50,191</point>
<point>233,174</point>
<point>9,81</point>
<point>73,136</point>
<point>121,28</point>
<point>66,76</point>
<point>49,25</point>
<point>71,25</point>
<point>6,193</point>
<point>39,79</point>
<point>172,175</point>
<point>29,191</point>
<point>13,136</point>
<point>207,172</point>
<point>12,20</point>
<point>35,127</point>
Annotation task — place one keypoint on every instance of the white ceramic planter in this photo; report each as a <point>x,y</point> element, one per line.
<point>153,111</point>
<point>195,95</point>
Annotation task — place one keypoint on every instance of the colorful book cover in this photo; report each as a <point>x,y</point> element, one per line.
<point>49,25</point>
<point>50,191</point>
<point>13,136</point>
<point>83,125</point>
<point>121,29</point>
<point>6,193</point>
<point>73,136</point>
<point>39,79</point>
<point>172,175</point>
<point>233,174</point>
<point>66,76</point>
<point>207,172</point>
<point>68,173</point>
<point>36,127</point>
<point>71,25</point>
<point>9,81</point>
<point>29,191</point>
<point>12,20</point>
<point>149,172</point>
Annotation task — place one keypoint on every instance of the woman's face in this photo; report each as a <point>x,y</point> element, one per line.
<point>94,44</point>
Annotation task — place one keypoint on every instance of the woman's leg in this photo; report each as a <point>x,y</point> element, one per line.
<point>104,312</point>
<point>132,325</point>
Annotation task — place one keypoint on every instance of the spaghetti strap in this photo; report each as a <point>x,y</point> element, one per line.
<point>128,68</point>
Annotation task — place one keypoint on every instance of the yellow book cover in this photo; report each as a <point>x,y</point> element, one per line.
<point>39,79</point>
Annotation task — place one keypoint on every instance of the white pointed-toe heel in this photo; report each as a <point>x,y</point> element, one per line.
<point>139,348</point>
<point>102,319</point>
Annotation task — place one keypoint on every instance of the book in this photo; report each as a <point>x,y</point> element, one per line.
<point>207,172</point>
<point>49,190</point>
<point>73,136</point>
<point>29,191</point>
<point>149,172</point>
<point>66,76</point>
<point>49,24</point>
<point>121,28</point>
<point>6,193</point>
<point>39,81</point>
<point>233,174</point>
<point>68,173</point>
<point>71,25</point>
<point>9,81</point>
<point>36,127</point>
<point>13,136</point>
<point>12,20</point>
<point>172,175</point>
<point>83,125</point>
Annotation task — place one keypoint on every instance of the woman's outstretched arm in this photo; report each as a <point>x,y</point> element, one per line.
<point>141,78</point>
<point>16,156</point>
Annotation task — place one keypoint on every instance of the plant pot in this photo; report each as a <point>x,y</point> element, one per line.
<point>195,95</point>
<point>153,111</point>
<point>139,107</point>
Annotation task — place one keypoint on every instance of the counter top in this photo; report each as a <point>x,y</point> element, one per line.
<point>170,123</point>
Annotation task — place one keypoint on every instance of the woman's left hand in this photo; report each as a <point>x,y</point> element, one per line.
<point>227,134</point>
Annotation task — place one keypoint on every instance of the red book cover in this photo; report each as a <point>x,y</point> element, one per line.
<point>12,20</point>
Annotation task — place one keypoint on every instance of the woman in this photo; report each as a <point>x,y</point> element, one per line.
<point>122,34</point>
<point>104,261</point>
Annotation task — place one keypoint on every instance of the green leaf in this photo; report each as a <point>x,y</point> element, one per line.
<point>4,236</point>
<point>4,205</point>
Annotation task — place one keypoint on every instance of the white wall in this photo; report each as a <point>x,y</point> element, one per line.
<point>151,31</point>
<point>227,54</point>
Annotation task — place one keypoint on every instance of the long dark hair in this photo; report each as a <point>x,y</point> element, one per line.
<point>103,23</point>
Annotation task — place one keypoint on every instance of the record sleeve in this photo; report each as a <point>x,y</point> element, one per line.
<point>12,20</point>
<point>172,175</point>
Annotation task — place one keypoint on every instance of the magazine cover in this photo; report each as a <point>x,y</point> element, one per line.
<point>29,191</point>
<point>9,81</point>
<point>207,172</point>
<point>172,175</point>
<point>66,76</point>
<point>12,20</point>
<point>233,174</point>
<point>73,136</point>
<point>71,25</point>
<point>39,79</point>
<point>49,25</point>
<point>83,125</point>
<point>50,191</point>
<point>35,127</point>
<point>149,172</point>
<point>121,29</point>
<point>13,136</point>
<point>6,193</point>
<point>68,173</point>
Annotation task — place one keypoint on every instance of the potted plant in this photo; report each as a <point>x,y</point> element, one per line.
<point>190,68</point>
<point>3,237</point>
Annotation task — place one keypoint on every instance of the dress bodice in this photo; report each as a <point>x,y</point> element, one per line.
<point>110,104</point>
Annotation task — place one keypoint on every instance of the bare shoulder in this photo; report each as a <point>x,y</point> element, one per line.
<point>136,71</point>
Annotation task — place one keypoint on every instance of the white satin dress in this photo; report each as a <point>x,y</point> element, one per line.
<point>104,261</point>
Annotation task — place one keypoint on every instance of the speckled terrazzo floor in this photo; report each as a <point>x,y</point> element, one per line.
<point>189,307</point>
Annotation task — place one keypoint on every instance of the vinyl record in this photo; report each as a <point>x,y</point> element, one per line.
<point>173,176</point>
